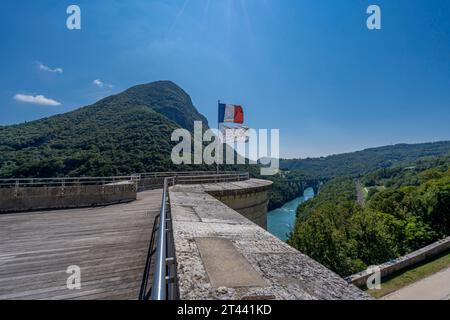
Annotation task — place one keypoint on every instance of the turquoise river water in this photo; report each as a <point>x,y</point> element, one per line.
<point>280,222</point>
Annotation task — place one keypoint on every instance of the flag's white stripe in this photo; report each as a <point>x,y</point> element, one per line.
<point>229,113</point>
<point>234,134</point>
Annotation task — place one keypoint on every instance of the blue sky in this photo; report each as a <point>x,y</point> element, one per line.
<point>310,68</point>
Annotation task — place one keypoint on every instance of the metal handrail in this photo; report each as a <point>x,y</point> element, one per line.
<point>159,278</point>
<point>165,264</point>
<point>70,181</point>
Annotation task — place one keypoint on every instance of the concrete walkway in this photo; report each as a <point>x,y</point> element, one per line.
<point>435,287</point>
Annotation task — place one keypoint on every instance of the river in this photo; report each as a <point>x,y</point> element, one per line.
<point>280,222</point>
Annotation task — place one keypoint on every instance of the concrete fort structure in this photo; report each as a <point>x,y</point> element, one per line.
<point>249,198</point>
<point>217,225</point>
<point>223,255</point>
<point>64,197</point>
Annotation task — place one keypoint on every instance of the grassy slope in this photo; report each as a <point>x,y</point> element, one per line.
<point>411,275</point>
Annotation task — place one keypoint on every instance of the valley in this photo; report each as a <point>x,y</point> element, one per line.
<point>370,206</point>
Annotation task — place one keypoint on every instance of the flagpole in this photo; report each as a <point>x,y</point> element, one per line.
<point>218,142</point>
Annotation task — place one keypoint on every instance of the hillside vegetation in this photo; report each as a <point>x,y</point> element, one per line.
<point>365,161</point>
<point>288,186</point>
<point>409,212</point>
<point>121,134</point>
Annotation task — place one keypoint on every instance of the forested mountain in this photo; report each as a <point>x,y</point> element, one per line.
<point>121,134</point>
<point>365,161</point>
<point>353,164</point>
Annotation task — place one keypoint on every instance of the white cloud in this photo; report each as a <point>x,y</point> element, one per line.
<point>48,69</point>
<point>99,83</point>
<point>39,99</point>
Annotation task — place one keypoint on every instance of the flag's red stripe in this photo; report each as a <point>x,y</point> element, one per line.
<point>238,114</point>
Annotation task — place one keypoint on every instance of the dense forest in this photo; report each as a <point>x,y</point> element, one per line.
<point>406,208</point>
<point>289,183</point>
<point>354,164</point>
<point>366,161</point>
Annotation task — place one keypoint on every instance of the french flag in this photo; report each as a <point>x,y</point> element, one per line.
<point>231,113</point>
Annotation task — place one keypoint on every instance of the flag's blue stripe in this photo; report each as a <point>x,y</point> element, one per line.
<point>222,112</point>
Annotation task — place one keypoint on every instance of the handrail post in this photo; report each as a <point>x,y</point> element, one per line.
<point>16,188</point>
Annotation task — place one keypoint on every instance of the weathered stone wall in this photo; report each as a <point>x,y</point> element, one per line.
<point>390,267</point>
<point>222,255</point>
<point>37,198</point>
<point>251,203</point>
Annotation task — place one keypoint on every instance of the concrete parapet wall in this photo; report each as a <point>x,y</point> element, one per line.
<point>388,268</point>
<point>37,198</point>
<point>251,203</point>
<point>222,255</point>
<point>150,183</point>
